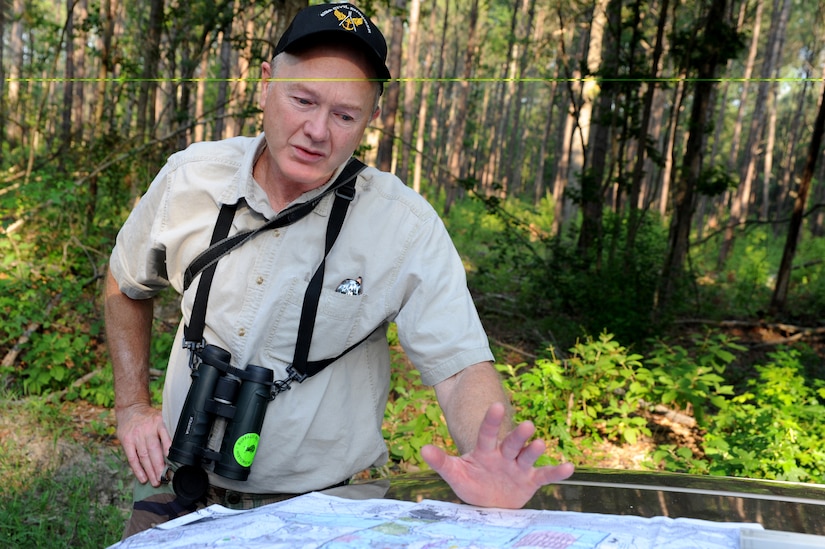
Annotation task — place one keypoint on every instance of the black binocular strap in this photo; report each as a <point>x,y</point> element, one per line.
<point>193,331</point>
<point>221,244</point>
<point>206,263</point>
<point>312,296</point>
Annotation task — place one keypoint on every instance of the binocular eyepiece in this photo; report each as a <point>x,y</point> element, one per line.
<point>220,422</point>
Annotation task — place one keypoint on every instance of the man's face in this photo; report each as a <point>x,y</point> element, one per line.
<point>315,112</point>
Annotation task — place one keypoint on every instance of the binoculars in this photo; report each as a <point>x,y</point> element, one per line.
<point>220,422</point>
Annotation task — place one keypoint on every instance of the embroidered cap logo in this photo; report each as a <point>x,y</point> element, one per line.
<point>347,21</point>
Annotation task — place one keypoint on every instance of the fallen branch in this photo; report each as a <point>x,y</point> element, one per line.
<point>154,373</point>
<point>521,352</point>
<point>14,352</point>
<point>11,356</point>
<point>793,330</point>
<point>77,383</point>
<point>675,417</point>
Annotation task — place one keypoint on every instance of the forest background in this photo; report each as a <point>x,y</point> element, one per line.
<point>636,187</point>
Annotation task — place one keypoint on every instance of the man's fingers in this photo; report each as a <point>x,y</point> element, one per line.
<point>434,456</point>
<point>528,456</point>
<point>135,463</point>
<point>146,443</point>
<point>513,444</point>
<point>156,462</point>
<point>550,474</point>
<point>488,432</point>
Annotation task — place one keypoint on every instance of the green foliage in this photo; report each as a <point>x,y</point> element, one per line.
<point>691,379</point>
<point>773,430</point>
<point>715,181</point>
<point>510,251</point>
<point>596,393</point>
<point>807,297</point>
<point>62,348</point>
<point>412,419</point>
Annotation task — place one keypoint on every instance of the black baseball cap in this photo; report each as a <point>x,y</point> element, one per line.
<point>343,21</point>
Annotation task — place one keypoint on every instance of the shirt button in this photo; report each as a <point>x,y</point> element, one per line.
<point>259,280</point>
<point>242,332</point>
<point>277,233</point>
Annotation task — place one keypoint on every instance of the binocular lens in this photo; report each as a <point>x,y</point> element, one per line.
<point>190,484</point>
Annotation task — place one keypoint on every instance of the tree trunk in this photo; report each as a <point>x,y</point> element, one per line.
<point>705,202</point>
<point>517,138</point>
<point>3,8</point>
<point>247,71</point>
<point>438,120</point>
<point>785,204</point>
<point>412,68</point>
<point>200,99</point>
<point>68,86</point>
<point>770,143</point>
<point>107,24</point>
<point>592,181</point>
<point>783,276</point>
<point>743,95</point>
<point>389,110</point>
<point>223,75</point>
<point>454,163</point>
<point>149,71</point>
<point>742,199</point>
<point>647,108</point>
<point>421,120</point>
<point>684,192</point>
<point>539,190</point>
<point>79,126</point>
<point>669,174</point>
<point>15,110</point>
<point>570,136</point>
<point>502,99</point>
<point>584,122</point>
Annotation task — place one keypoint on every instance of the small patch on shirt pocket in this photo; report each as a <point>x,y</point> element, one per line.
<point>336,321</point>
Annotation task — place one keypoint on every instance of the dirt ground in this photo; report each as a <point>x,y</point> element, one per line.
<point>33,445</point>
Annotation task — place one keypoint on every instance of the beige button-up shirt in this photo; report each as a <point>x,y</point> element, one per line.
<point>328,428</point>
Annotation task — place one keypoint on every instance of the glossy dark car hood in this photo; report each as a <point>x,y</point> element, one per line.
<point>787,506</point>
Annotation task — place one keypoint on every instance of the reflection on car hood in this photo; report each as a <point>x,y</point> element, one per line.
<point>787,506</point>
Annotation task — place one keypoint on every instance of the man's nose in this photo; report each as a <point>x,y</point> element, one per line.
<point>316,126</point>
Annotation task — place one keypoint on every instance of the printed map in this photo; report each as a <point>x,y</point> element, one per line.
<point>329,522</point>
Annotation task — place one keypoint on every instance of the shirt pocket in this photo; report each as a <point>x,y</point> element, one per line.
<point>336,323</point>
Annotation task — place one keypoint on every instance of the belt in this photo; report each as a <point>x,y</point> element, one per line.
<point>245,500</point>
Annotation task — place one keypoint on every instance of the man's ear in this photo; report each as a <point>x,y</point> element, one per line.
<point>266,74</point>
<point>376,113</point>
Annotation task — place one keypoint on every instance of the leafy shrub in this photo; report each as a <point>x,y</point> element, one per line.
<point>595,393</point>
<point>690,379</point>
<point>412,420</point>
<point>774,430</point>
<point>514,255</point>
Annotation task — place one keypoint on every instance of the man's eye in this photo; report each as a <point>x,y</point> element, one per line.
<point>346,117</point>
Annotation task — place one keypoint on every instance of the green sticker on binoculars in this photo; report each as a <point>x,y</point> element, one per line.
<point>245,448</point>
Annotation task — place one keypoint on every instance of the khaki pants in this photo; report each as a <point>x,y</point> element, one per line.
<point>153,506</point>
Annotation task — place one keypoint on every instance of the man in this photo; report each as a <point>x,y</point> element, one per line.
<point>392,261</point>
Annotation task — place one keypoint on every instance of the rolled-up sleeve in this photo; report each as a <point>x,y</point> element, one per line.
<point>138,260</point>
